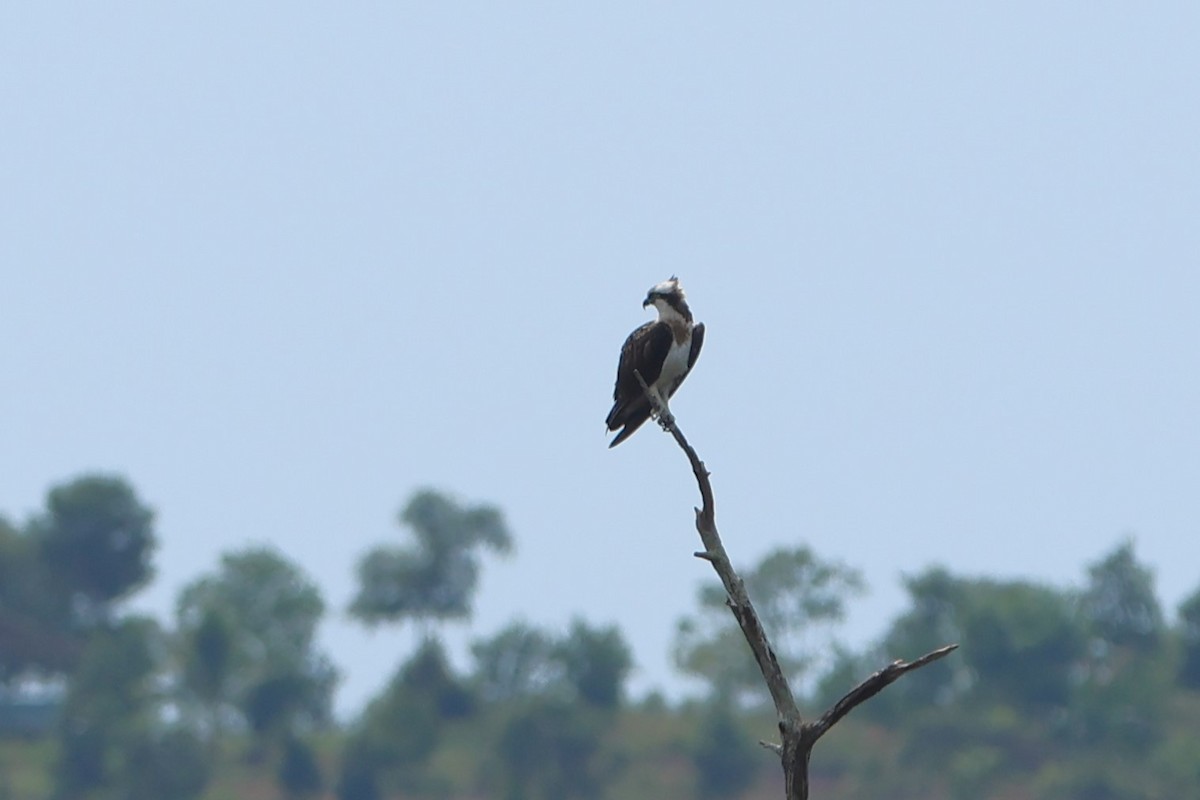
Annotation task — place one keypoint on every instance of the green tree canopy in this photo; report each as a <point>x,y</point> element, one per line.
<point>166,762</point>
<point>1119,602</point>
<point>596,661</point>
<point>798,596</point>
<point>933,619</point>
<point>388,747</point>
<point>246,635</point>
<point>435,578</point>
<point>588,664</point>
<point>206,652</point>
<point>95,539</point>
<point>550,749</point>
<point>428,675</point>
<point>725,756</point>
<point>1022,642</point>
<point>1128,673</point>
<point>112,738</point>
<point>62,573</point>
<point>517,662</point>
<point>299,771</point>
<point>36,634</point>
<point>1189,633</point>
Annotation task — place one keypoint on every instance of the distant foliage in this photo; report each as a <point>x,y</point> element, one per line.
<point>1124,682</point>
<point>934,617</point>
<point>550,749</point>
<point>389,747</point>
<point>559,695</point>
<point>428,674</point>
<point>1189,635</point>
<point>37,632</point>
<point>246,638</point>
<point>798,597</point>
<point>111,734</point>
<point>1119,603</point>
<point>299,772</point>
<point>64,572</point>
<point>725,756</point>
<point>1021,641</point>
<point>360,773</point>
<point>517,662</point>
<point>431,580</point>
<point>205,650</point>
<point>434,578</point>
<point>1055,691</point>
<point>96,539</point>
<point>588,665</point>
<point>170,763</point>
<point>1080,692</point>
<point>596,662</point>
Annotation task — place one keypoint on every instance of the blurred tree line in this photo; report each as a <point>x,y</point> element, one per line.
<point>144,708</point>
<point>1075,692</point>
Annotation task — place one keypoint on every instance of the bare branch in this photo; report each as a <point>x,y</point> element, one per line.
<point>870,687</point>
<point>739,600</point>
<point>798,737</point>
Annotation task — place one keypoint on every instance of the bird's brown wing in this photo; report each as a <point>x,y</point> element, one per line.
<point>697,343</point>
<point>644,351</point>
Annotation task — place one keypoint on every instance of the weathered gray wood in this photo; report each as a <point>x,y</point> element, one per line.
<point>797,736</point>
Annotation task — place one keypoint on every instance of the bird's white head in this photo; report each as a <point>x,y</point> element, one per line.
<point>669,299</point>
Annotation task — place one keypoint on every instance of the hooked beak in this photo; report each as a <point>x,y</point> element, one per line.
<point>649,301</point>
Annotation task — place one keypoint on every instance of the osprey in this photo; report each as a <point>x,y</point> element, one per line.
<point>662,352</point>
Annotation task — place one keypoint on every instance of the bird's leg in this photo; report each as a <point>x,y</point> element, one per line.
<point>660,411</point>
<point>657,403</point>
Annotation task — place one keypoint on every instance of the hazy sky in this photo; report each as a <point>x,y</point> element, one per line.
<point>282,264</point>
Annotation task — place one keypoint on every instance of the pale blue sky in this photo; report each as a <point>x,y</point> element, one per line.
<point>283,264</point>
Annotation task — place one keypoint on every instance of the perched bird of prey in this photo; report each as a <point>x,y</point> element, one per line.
<point>662,351</point>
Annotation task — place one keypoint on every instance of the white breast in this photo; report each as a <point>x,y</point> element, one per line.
<point>674,368</point>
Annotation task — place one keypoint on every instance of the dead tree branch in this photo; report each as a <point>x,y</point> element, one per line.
<point>798,737</point>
